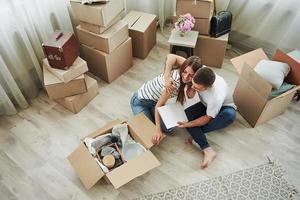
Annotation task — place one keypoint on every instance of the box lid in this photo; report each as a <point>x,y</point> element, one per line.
<point>251,58</point>
<point>57,39</point>
<point>262,87</point>
<point>50,78</point>
<point>85,166</point>
<point>132,169</point>
<point>78,67</point>
<point>139,21</point>
<point>251,94</point>
<point>142,129</point>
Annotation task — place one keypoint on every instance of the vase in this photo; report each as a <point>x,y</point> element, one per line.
<point>182,34</point>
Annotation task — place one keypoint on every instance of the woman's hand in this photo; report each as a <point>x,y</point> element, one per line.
<point>157,137</point>
<point>170,85</point>
<point>190,92</point>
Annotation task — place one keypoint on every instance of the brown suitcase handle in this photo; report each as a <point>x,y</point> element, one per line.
<point>59,36</point>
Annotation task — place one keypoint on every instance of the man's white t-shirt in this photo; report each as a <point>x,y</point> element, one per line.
<point>216,97</point>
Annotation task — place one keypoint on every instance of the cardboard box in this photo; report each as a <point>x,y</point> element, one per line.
<point>107,41</point>
<point>252,92</point>
<point>78,68</point>
<point>97,13</point>
<point>197,8</point>
<point>202,25</point>
<point>142,30</point>
<point>94,28</point>
<point>77,102</point>
<point>141,130</point>
<point>211,50</point>
<point>58,89</point>
<point>109,66</point>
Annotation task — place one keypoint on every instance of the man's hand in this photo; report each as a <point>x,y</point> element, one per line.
<point>184,124</point>
<point>170,85</point>
<point>157,137</point>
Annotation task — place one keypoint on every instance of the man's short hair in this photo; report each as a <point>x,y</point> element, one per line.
<point>205,76</point>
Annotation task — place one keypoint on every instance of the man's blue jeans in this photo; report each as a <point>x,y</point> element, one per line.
<point>226,116</point>
<point>147,107</point>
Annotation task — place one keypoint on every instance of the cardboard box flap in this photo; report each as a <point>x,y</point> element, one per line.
<point>113,29</point>
<point>293,90</point>
<point>251,58</point>
<point>131,18</point>
<point>106,128</point>
<point>132,169</point>
<point>51,79</point>
<point>276,106</point>
<point>85,166</point>
<point>142,129</point>
<point>262,87</point>
<point>143,22</point>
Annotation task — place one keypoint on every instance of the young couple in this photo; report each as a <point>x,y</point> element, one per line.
<point>215,110</point>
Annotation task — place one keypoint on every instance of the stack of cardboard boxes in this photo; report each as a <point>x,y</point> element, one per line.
<point>64,75</point>
<point>210,50</point>
<point>104,39</point>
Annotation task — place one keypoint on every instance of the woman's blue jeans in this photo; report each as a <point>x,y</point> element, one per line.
<point>147,107</point>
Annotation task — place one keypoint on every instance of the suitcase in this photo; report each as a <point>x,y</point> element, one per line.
<point>220,24</point>
<point>61,49</point>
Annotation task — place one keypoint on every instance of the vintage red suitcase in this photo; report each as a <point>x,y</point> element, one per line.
<point>61,49</point>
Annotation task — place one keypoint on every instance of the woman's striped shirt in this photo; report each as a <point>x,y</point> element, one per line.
<point>154,88</point>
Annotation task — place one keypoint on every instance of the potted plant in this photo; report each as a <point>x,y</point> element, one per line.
<point>185,23</point>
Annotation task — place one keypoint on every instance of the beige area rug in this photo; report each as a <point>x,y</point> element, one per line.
<point>262,182</point>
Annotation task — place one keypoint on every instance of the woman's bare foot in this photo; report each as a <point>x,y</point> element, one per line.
<point>209,156</point>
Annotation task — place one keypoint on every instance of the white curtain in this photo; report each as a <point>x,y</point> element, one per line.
<point>25,24</point>
<point>269,24</point>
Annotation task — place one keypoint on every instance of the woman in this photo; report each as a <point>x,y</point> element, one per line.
<point>153,93</point>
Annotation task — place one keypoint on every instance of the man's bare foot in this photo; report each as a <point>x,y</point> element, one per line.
<point>209,156</point>
<point>189,140</point>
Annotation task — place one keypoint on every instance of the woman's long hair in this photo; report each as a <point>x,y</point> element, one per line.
<point>195,63</point>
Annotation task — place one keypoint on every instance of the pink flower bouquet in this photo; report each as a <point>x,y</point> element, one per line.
<point>185,23</point>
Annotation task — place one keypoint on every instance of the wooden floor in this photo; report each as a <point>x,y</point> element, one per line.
<point>34,144</point>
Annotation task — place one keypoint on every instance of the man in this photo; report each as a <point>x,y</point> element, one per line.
<point>215,110</point>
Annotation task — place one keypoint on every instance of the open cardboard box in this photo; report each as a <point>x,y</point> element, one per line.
<point>141,130</point>
<point>252,92</point>
<point>142,30</point>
